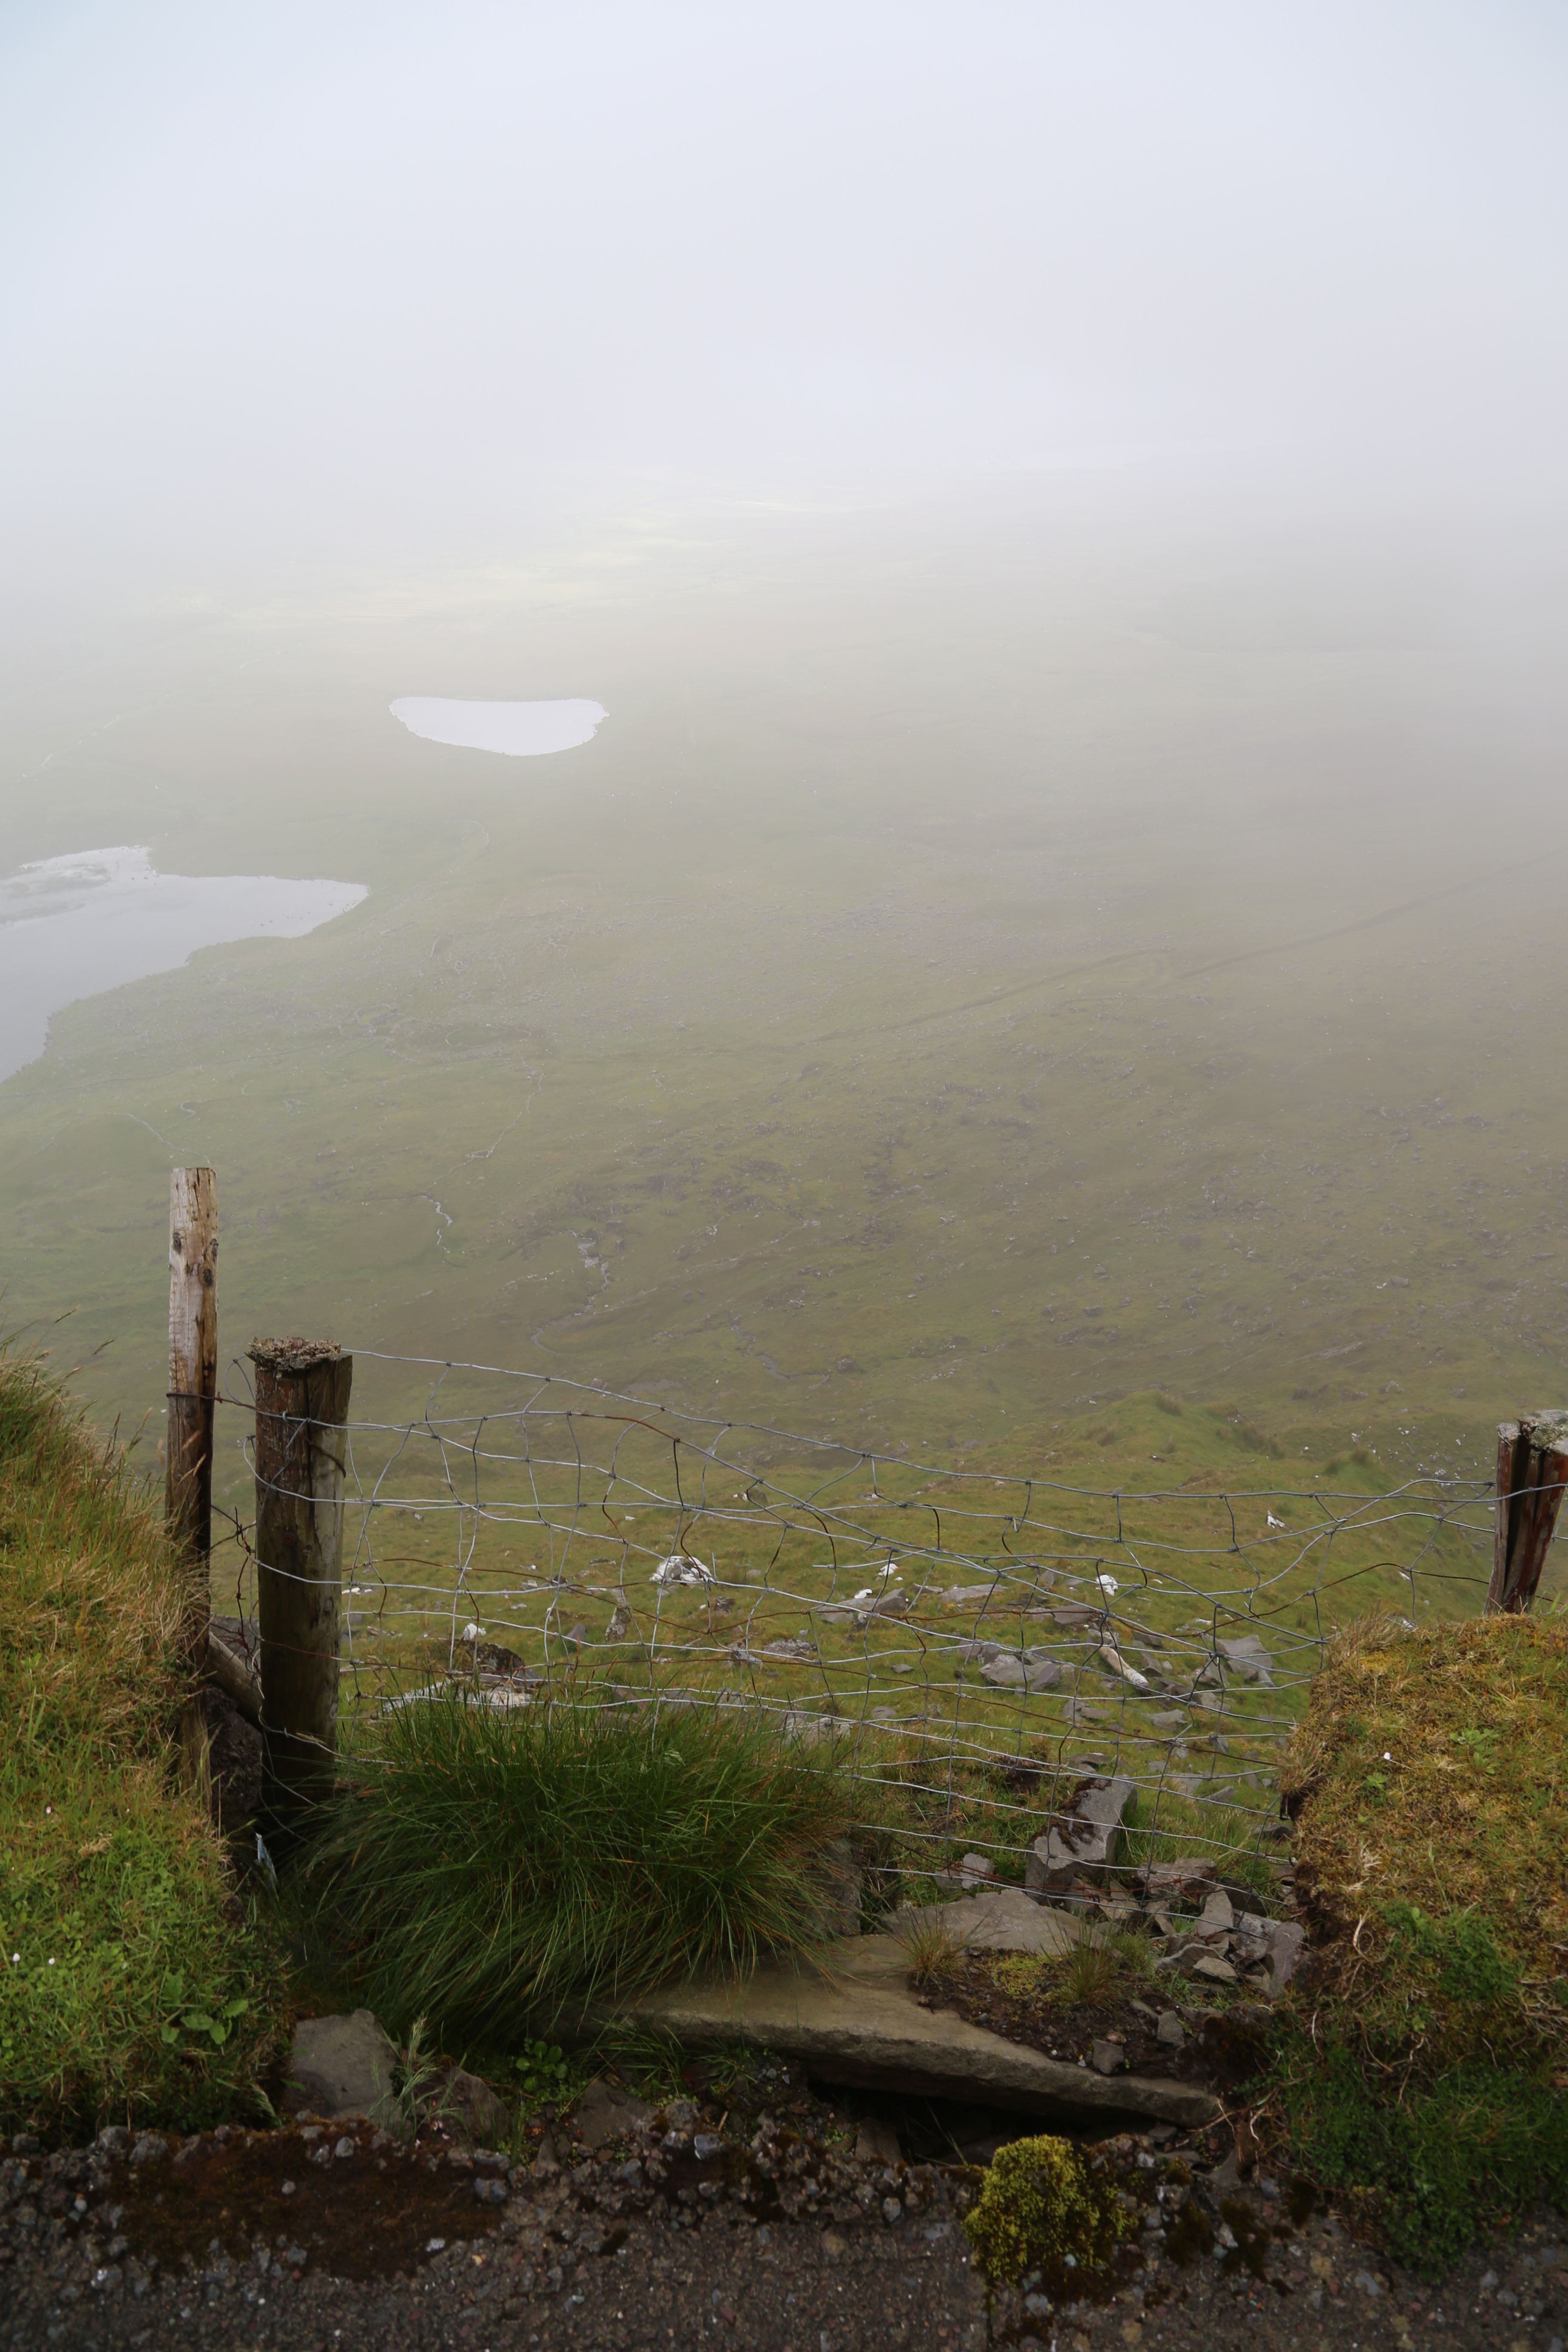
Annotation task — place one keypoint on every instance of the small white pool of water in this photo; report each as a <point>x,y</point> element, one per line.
<point>72,926</point>
<point>520,730</point>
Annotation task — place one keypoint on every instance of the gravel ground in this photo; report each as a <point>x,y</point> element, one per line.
<point>340,2238</point>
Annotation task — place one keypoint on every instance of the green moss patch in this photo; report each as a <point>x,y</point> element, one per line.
<point>1044,2207</point>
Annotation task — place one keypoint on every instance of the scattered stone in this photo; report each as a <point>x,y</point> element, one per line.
<point>791,1645</point>
<point>891,1604</point>
<point>343,2067</point>
<point>1083,1841</point>
<point>1108,2057</point>
<point>1112,1659</point>
<point>1213,1969</point>
<point>1010,1671</point>
<point>1007,1921</point>
<point>976,1869</point>
<point>1218,1918</point>
<point>461,2101</point>
<point>877,2143</point>
<point>1172,1882</point>
<point>1077,1613</point>
<point>1245,1656</point>
<point>148,2149</point>
<point>844,1888</point>
<point>1286,1938</point>
<point>1171,2030</point>
<point>971,1596</point>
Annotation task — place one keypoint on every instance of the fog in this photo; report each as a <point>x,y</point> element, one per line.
<point>884,636</point>
<point>304,299</point>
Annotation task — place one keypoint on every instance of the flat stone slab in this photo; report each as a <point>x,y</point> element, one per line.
<point>857,2021</point>
<point>1007,1920</point>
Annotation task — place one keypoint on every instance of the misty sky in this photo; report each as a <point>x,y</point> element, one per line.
<point>365,283</point>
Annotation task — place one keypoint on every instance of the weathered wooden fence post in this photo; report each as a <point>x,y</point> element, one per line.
<point>188,1444</point>
<point>1531,1472</point>
<point>301,1407</point>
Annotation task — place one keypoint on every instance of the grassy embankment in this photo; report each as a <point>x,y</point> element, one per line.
<point>1425,2058</point>
<point>132,1986</point>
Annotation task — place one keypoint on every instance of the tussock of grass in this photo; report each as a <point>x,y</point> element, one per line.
<point>129,1988</point>
<point>1427,1775</point>
<point>489,1871</point>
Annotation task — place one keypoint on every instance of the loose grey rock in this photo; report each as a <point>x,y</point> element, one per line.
<point>1007,1921</point>
<point>1245,1656</point>
<point>149,2147</point>
<point>1217,1918</point>
<point>1171,2030</point>
<point>877,2143</point>
<point>345,2066</point>
<point>1285,1939</point>
<point>1112,1659</point>
<point>1085,1841</point>
<point>1213,1969</point>
<point>463,2101</point>
<point>1169,1882</point>
<point>1108,2057</point>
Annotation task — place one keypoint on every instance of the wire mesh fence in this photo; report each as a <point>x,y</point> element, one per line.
<point>966,1646</point>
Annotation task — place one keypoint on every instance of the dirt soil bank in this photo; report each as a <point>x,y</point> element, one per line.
<point>774,2243</point>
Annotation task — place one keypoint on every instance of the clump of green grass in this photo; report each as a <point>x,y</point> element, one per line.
<point>131,1988</point>
<point>1102,1966</point>
<point>931,1948</point>
<point>491,1871</point>
<point>1161,1826</point>
<point>1427,1775</point>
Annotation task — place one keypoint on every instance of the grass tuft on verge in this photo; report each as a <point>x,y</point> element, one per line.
<point>131,1988</point>
<point>492,1871</point>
